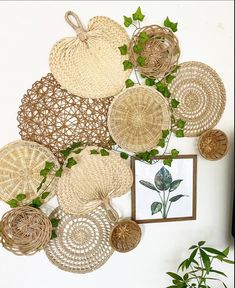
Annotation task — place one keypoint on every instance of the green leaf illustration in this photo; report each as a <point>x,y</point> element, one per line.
<point>163,179</point>
<point>21,197</point>
<point>148,184</point>
<point>127,21</point>
<point>123,49</point>
<point>156,207</point>
<point>127,65</point>
<point>129,83</point>
<point>175,184</point>
<point>177,197</point>
<point>138,15</point>
<point>124,155</point>
<point>71,162</point>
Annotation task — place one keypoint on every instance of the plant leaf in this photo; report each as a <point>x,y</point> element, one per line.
<point>37,202</point>
<point>167,161</point>
<point>228,261</point>
<point>138,15</point>
<point>65,152</point>
<point>175,184</point>
<point>191,257</point>
<point>179,133</point>
<point>123,49</point>
<point>124,155</point>
<point>127,65</point>
<point>153,152</point>
<point>163,179</point>
<point>148,184</point>
<point>45,195</point>
<point>171,25</point>
<point>165,133</point>
<point>174,275</point>
<point>201,243</point>
<point>71,162</point>
<point>174,152</point>
<point>206,260</point>
<point>104,152</point>
<point>141,61</point>
<point>174,103</point>
<point>169,78</point>
<point>13,203</point>
<point>75,145</point>
<point>54,222</point>
<point>77,151</point>
<point>143,37</point>
<point>129,83</point>
<point>192,247</point>
<point>214,251</point>
<point>138,48</point>
<point>177,197</point>
<point>21,197</point>
<point>94,151</point>
<point>53,234</point>
<point>59,172</point>
<point>156,207</point>
<point>127,21</point>
<point>218,272</point>
<point>161,143</point>
<point>180,123</point>
<point>149,82</point>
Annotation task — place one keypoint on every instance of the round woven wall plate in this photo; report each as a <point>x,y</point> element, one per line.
<point>82,243</point>
<point>125,236</point>
<point>93,182</point>
<point>20,166</point>
<point>213,144</point>
<point>137,117</point>
<point>25,230</point>
<point>202,97</point>
<point>90,64</point>
<point>55,118</point>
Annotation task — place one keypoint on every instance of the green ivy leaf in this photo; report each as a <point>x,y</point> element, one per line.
<point>171,25</point>
<point>37,202</point>
<point>149,82</point>
<point>141,61</point>
<point>143,37</point>
<point>75,145</point>
<point>175,68</point>
<point>167,161</point>
<point>129,83</point>
<point>71,162</point>
<point>59,172</point>
<point>174,152</point>
<point>161,143</point>
<point>179,133</point>
<point>180,123</point>
<point>21,197</point>
<point>45,195</point>
<point>65,152</point>
<point>104,152</point>
<point>54,222</point>
<point>166,93</point>
<point>165,133</point>
<point>169,78</point>
<point>94,152</point>
<point>160,86</point>
<point>138,48</point>
<point>77,151</point>
<point>138,15</point>
<point>174,103</point>
<point>47,169</point>
<point>13,203</point>
<point>124,155</point>
<point>127,65</point>
<point>53,234</point>
<point>144,156</point>
<point>127,21</point>
<point>123,49</point>
<point>154,152</point>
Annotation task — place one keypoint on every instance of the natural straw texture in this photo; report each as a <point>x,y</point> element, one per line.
<point>25,230</point>
<point>125,236</point>
<point>93,182</point>
<point>90,64</point>
<point>137,117</point>
<point>161,51</point>
<point>20,166</point>
<point>213,144</point>
<point>55,118</point>
<point>202,97</point>
<point>82,243</point>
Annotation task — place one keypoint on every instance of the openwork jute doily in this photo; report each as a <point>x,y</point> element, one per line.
<point>82,243</point>
<point>137,117</point>
<point>93,182</point>
<point>213,144</point>
<point>25,230</point>
<point>202,97</point>
<point>20,166</point>
<point>51,116</point>
<point>125,236</point>
<point>90,64</point>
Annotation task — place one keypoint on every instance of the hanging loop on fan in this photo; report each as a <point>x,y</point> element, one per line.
<point>73,20</point>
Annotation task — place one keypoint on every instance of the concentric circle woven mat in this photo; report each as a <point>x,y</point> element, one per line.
<point>90,65</point>
<point>20,166</point>
<point>82,243</point>
<point>51,116</point>
<point>93,181</point>
<point>137,117</point>
<point>202,97</point>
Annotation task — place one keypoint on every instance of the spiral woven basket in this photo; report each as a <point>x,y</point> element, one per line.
<point>202,97</point>
<point>55,118</point>
<point>90,64</point>
<point>82,243</point>
<point>137,117</point>
<point>25,230</point>
<point>213,144</point>
<point>20,166</point>
<point>125,236</point>
<point>93,182</point>
<point>161,51</point>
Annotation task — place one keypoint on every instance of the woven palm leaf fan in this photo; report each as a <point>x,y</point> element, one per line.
<point>20,166</point>
<point>137,117</point>
<point>90,64</point>
<point>93,182</point>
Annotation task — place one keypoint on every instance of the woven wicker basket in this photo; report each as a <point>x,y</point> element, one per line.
<point>161,51</point>
<point>90,64</point>
<point>202,97</point>
<point>137,117</point>
<point>213,144</point>
<point>20,166</point>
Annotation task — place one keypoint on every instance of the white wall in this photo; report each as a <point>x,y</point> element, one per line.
<point>27,32</point>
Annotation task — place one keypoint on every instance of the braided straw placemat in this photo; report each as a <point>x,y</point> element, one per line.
<point>202,97</point>
<point>93,182</point>
<point>82,243</point>
<point>55,118</point>
<point>90,64</point>
<point>213,144</point>
<point>137,117</point>
<point>25,230</point>
<point>161,51</point>
<point>20,166</point>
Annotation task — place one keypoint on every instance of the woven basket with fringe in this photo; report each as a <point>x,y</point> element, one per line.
<point>161,51</point>
<point>20,166</point>
<point>25,230</point>
<point>93,182</point>
<point>137,117</point>
<point>202,97</point>
<point>55,118</point>
<point>125,236</point>
<point>213,144</point>
<point>90,64</point>
<point>82,242</point>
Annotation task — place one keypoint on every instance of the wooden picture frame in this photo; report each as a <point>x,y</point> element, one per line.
<point>146,185</point>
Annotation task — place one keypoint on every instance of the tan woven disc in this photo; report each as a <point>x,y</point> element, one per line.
<point>93,181</point>
<point>90,64</point>
<point>20,166</point>
<point>202,97</point>
<point>137,117</point>
<point>55,118</point>
<point>25,230</point>
<point>82,243</point>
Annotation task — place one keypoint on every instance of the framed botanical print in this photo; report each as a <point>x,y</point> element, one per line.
<point>161,193</point>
